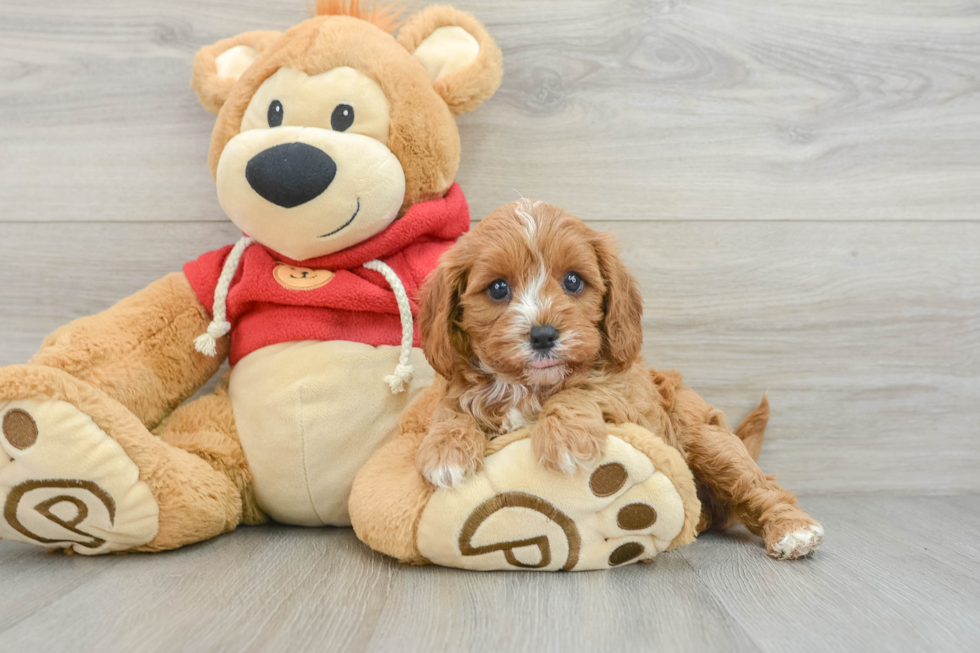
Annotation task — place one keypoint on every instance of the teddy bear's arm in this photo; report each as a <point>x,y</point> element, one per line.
<point>140,351</point>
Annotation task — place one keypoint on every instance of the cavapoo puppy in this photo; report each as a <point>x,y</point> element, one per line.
<point>532,319</point>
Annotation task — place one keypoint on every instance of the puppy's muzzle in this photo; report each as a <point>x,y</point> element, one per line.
<point>290,174</point>
<point>543,338</point>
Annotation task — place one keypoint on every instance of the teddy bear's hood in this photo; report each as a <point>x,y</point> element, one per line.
<point>262,298</point>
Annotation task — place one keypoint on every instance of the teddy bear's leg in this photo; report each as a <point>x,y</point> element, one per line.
<point>638,500</point>
<point>80,468</point>
<point>141,351</point>
<point>206,428</point>
<point>389,494</point>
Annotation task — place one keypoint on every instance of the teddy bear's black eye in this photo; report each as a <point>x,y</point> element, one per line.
<point>342,117</point>
<point>498,290</point>
<point>573,283</point>
<point>275,113</point>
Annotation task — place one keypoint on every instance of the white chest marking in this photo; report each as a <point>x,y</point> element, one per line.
<point>513,421</point>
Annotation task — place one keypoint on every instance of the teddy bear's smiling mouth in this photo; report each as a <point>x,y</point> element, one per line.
<point>344,226</point>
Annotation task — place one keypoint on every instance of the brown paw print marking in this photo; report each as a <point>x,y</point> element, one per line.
<point>636,517</point>
<point>20,429</point>
<point>88,541</point>
<point>608,479</point>
<point>521,500</point>
<point>605,481</point>
<point>625,553</point>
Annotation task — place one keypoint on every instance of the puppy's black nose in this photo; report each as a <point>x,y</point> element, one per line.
<point>290,174</point>
<point>543,337</point>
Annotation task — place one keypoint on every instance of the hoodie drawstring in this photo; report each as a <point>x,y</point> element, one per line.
<point>207,343</point>
<point>403,371</point>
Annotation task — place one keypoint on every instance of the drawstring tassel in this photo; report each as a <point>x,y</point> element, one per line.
<point>207,343</point>
<point>402,376</point>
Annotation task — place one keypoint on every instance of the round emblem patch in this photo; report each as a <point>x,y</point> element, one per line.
<point>291,277</point>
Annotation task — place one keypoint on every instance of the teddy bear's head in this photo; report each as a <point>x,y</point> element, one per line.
<point>327,132</point>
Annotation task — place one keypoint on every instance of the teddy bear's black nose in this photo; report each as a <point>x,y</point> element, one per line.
<point>290,174</point>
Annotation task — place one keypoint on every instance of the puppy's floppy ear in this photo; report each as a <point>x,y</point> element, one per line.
<point>463,62</point>
<point>217,67</point>
<point>622,325</point>
<point>443,342</point>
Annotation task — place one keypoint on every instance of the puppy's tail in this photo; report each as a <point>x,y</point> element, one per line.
<point>752,430</point>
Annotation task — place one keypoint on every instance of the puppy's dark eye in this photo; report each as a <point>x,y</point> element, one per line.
<point>573,283</point>
<point>342,117</point>
<point>498,290</point>
<point>275,113</point>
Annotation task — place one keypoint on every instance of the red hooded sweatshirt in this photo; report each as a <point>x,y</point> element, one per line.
<point>273,299</point>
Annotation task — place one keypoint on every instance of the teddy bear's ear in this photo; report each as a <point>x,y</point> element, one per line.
<point>463,62</point>
<point>217,67</point>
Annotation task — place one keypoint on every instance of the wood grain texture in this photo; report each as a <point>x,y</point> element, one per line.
<point>896,574</point>
<point>865,335</point>
<point>893,577</point>
<point>662,109</point>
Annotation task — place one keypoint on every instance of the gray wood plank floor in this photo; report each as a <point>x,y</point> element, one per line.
<point>797,187</point>
<point>897,574</point>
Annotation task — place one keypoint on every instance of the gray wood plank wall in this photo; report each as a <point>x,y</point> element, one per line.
<point>796,184</point>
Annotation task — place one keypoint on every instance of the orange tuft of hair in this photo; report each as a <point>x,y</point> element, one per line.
<point>387,17</point>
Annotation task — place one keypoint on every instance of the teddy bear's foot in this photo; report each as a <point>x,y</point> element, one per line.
<point>65,483</point>
<point>515,514</point>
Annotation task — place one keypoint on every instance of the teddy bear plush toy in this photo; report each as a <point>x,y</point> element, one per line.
<point>335,150</point>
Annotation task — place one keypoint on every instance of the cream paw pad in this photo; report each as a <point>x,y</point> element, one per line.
<point>636,501</point>
<point>65,483</point>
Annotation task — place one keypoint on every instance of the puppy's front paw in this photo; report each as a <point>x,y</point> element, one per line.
<point>446,461</point>
<point>565,447</point>
<point>447,475</point>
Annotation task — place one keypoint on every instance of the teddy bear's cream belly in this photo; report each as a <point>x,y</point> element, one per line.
<point>309,415</point>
